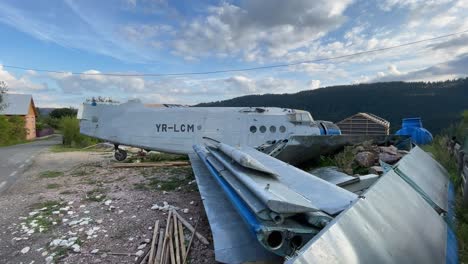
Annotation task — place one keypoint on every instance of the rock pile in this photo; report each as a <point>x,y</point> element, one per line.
<point>365,158</point>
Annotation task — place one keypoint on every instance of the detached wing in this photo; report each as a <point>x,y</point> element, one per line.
<point>233,242</point>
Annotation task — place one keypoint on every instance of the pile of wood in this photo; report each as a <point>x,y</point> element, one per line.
<point>168,244</point>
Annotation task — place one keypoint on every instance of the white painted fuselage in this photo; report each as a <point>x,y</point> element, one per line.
<point>177,129</point>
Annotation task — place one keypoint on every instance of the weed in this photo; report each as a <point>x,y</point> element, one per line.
<point>68,192</point>
<point>60,252</point>
<point>345,159</point>
<point>326,161</point>
<point>45,218</point>
<point>50,174</point>
<point>158,157</point>
<point>48,204</point>
<point>79,172</point>
<point>53,186</point>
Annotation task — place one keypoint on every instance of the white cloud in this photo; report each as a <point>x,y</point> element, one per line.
<point>452,69</point>
<point>90,81</point>
<point>256,29</point>
<point>314,84</point>
<point>21,84</point>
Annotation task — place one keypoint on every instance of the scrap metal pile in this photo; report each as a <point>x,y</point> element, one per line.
<point>263,209</point>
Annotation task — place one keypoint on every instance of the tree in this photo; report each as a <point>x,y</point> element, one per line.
<point>62,112</point>
<point>3,90</point>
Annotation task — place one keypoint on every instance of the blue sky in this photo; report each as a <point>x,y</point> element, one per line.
<point>159,36</point>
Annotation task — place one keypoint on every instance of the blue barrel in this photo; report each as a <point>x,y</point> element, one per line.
<point>413,127</point>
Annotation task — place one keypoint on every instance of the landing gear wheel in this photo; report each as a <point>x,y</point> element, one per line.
<point>120,155</point>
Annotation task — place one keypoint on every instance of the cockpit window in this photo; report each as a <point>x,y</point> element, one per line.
<point>300,117</point>
<point>263,129</point>
<point>253,129</point>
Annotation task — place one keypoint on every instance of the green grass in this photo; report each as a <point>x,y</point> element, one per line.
<point>68,192</point>
<point>44,219</point>
<point>157,157</point>
<point>82,172</point>
<point>48,204</point>
<point>439,150</point>
<point>179,177</point>
<point>50,174</point>
<point>60,252</point>
<point>53,186</point>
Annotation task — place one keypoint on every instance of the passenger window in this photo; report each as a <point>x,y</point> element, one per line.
<point>272,129</point>
<point>253,129</point>
<point>282,129</point>
<point>263,129</point>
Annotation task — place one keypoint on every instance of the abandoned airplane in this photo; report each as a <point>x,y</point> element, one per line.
<point>261,208</point>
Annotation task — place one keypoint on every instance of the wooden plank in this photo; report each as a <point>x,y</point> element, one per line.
<point>166,236</point>
<point>171,248</point>
<point>190,242</point>
<point>182,238</point>
<point>157,260</point>
<point>176,239</point>
<point>151,164</point>
<point>190,227</point>
<point>153,242</point>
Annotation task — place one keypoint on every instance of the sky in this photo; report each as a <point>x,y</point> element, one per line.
<point>162,36</point>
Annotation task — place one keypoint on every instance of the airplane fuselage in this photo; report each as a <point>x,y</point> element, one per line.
<point>177,129</point>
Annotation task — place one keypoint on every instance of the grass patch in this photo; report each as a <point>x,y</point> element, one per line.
<point>48,204</point>
<point>184,176</point>
<point>68,192</point>
<point>60,252</point>
<point>50,174</point>
<point>82,172</point>
<point>52,186</point>
<point>44,219</point>
<point>157,157</point>
<point>439,150</point>
<point>96,195</point>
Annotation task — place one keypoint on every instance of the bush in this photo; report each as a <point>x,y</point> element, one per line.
<point>63,112</point>
<point>18,129</point>
<point>12,130</point>
<point>70,127</point>
<point>51,122</point>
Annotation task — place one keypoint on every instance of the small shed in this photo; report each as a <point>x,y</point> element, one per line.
<point>21,105</point>
<point>364,124</point>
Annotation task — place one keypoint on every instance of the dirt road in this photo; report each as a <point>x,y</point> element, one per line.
<point>14,160</point>
<point>73,207</point>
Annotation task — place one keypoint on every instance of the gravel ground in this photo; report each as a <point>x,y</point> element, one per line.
<point>73,207</point>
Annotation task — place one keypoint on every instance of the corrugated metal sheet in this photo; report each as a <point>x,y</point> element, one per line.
<point>392,224</point>
<point>16,104</point>
<point>429,176</point>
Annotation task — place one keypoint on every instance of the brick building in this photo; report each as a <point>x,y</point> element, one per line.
<point>21,105</point>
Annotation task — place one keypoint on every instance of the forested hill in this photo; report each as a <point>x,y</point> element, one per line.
<point>438,103</point>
